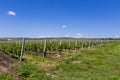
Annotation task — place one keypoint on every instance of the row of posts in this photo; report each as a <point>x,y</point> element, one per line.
<point>22,49</point>
<point>44,49</point>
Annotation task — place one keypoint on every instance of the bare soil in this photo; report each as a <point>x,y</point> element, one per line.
<point>77,62</point>
<point>6,64</point>
<point>52,56</point>
<point>56,57</point>
<point>33,53</point>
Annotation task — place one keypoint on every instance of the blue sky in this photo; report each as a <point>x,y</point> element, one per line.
<point>51,18</point>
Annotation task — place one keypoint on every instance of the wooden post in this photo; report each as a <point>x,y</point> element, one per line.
<point>1,45</point>
<point>50,46</point>
<point>60,42</point>
<point>75,46</point>
<point>75,43</point>
<point>22,49</point>
<point>83,44</point>
<point>102,43</point>
<point>44,49</point>
<point>89,44</point>
<point>69,45</point>
<point>60,47</point>
<point>50,41</point>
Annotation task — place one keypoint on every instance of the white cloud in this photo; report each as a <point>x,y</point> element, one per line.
<point>43,36</point>
<point>78,35</point>
<point>12,13</point>
<point>67,36</point>
<point>64,26</point>
<point>116,35</point>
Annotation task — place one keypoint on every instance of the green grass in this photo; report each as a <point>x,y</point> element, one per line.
<point>96,64</point>
<point>100,63</point>
<point>28,71</point>
<point>5,76</point>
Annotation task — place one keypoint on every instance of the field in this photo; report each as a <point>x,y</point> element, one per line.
<point>60,60</point>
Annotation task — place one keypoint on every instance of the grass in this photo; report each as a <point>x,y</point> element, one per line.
<point>5,76</point>
<point>101,63</point>
<point>28,71</point>
<point>96,64</point>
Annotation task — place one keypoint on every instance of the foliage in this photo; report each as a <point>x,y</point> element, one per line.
<point>13,48</point>
<point>96,60</point>
<point>30,72</point>
<point>5,76</point>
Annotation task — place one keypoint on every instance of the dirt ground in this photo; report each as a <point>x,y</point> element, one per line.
<point>33,53</point>
<point>6,64</point>
<point>56,57</point>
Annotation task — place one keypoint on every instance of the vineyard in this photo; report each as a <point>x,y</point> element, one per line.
<point>13,48</point>
<point>47,59</point>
